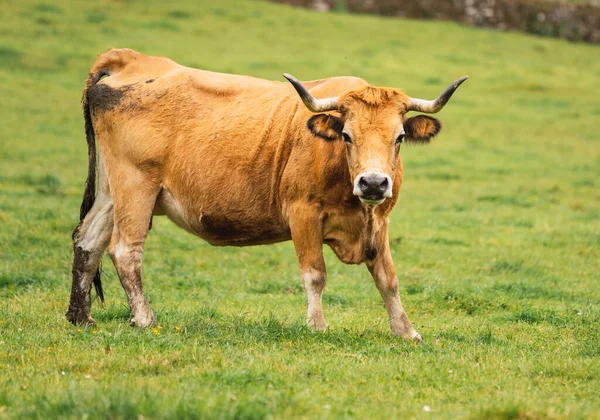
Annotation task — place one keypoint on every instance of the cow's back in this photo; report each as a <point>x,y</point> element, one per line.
<point>217,143</point>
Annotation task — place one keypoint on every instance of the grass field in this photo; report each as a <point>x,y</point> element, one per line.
<point>496,236</point>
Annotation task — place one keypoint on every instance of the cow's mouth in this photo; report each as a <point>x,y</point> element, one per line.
<point>372,200</point>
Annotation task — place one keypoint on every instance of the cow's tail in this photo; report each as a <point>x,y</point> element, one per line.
<point>107,64</point>
<point>89,193</point>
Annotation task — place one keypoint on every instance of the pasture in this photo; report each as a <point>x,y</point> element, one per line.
<point>496,236</point>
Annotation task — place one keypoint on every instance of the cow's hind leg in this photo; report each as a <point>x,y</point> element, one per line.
<point>90,240</point>
<point>134,196</point>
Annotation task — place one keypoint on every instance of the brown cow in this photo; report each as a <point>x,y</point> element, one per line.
<point>240,161</point>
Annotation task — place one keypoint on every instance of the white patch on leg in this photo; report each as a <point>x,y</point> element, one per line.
<point>97,225</point>
<point>381,276</point>
<point>120,249</point>
<point>93,236</point>
<point>314,296</point>
<point>399,322</point>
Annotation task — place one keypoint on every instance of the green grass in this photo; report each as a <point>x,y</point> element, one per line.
<point>496,236</point>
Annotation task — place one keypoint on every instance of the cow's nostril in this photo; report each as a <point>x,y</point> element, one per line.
<point>363,184</point>
<point>384,184</point>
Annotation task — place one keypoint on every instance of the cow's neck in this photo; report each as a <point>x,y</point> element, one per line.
<point>368,239</point>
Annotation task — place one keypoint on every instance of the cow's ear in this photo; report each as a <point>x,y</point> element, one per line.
<point>421,129</point>
<point>326,126</point>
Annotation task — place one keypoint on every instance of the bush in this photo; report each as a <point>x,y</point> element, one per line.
<point>573,21</point>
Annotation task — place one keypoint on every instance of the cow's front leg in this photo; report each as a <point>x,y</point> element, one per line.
<point>306,229</point>
<point>384,273</point>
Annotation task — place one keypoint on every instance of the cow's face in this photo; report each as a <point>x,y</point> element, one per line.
<point>372,123</point>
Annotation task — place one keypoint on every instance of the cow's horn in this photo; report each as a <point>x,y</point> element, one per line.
<point>431,107</point>
<point>315,105</point>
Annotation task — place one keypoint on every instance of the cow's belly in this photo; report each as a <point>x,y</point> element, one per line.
<point>221,227</point>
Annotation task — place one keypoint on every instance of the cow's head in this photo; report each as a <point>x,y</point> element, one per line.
<point>373,123</point>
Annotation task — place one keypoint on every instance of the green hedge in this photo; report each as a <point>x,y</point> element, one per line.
<point>573,21</point>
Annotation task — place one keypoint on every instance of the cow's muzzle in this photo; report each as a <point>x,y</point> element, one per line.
<point>373,187</point>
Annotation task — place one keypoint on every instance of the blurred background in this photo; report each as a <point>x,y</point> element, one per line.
<point>575,20</point>
<point>496,236</point>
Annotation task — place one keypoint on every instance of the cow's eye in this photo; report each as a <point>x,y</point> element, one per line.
<point>400,139</point>
<point>347,138</point>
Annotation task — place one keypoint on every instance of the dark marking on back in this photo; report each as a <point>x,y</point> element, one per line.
<point>105,98</point>
<point>150,80</point>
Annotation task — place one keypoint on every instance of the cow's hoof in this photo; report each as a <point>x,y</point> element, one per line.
<point>315,325</point>
<point>80,318</point>
<point>410,336</point>
<point>143,320</point>
<point>318,327</point>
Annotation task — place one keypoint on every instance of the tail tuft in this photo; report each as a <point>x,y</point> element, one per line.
<point>98,284</point>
